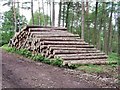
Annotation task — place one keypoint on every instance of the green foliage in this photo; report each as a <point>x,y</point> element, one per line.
<point>47,61</point>
<point>112,57</point>
<point>8,24</point>
<point>5,37</point>
<point>57,62</point>
<point>91,68</point>
<point>24,52</point>
<point>37,57</point>
<point>42,19</point>
<point>7,29</point>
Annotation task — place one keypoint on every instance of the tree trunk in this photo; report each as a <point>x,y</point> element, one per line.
<point>110,31</point>
<point>104,28</point>
<point>99,36</point>
<point>82,27</point>
<point>63,13</point>
<point>67,15</point>
<point>72,20</point>
<point>32,12</point>
<point>118,25</point>
<point>119,38</point>
<point>18,19</point>
<point>44,21</point>
<point>15,20</point>
<point>87,21</point>
<point>46,18</point>
<point>53,14</point>
<point>39,12</point>
<point>95,24</point>
<point>59,18</point>
<point>50,12</point>
<point>100,27</point>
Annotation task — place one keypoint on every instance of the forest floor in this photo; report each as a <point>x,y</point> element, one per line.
<point>20,72</point>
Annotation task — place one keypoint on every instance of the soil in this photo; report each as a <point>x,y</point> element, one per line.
<point>20,72</point>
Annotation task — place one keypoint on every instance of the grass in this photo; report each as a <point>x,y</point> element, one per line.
<point>91,68</point>
<point>110,69</point>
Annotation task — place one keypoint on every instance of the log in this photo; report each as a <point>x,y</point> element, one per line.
<point>55,35</point>
<point>60,39</point>
<point>50,32</point>
<point>91,61</point>
<point>84,57</point>
<point>73,52</point>
<point>50,56</point>
<point>35,26</point>
<point>43,30</point>
<point>82,54</point>
<point>70,48</point>
<point>75,46</point>
<point>64,43</point>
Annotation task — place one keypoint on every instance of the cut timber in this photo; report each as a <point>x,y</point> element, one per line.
<point>53,42</point>
<point>64,43</point>
<point>72,48</point>
<point>38,27</point>
<point>56,35</point>
<point>50,36</point>
<point>84,57</point>
<point>72,52</point>
<point>89,61</point>
<point>69,46</point>
<point>74,55</point>
<point>60,39</point>
<point>48,31</point>
<point>43,29</point>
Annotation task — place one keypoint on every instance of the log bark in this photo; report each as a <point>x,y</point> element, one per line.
<point>73,52</point>
<point>74,55</point>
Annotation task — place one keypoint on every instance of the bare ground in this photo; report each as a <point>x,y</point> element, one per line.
<point>19,72</point>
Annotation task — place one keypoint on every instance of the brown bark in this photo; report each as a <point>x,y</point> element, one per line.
<point>50,12</point>
<point>15,20</point>
<point>39,12</point>
<point>32,12</point>
<point>53,14</point>
<point>95,26</point>
<point>104,28</point>
<point>72,20</point>
<point>63,14</point>
<point>67,15</point>
<point>110,32</point>
<point>59,18</point>
<point>82,26</point>
<point>87,22</point>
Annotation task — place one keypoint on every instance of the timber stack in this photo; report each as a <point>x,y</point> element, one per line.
<point>54,42</point>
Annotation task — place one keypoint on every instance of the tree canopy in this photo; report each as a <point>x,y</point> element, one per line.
<point>44,19</point>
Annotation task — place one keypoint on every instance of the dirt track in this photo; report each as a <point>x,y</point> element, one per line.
<point>19,72</point>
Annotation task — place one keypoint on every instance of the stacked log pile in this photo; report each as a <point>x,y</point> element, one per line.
<point>53,42</point>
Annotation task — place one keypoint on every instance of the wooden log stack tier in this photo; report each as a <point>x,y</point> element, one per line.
<point>54,42</point>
